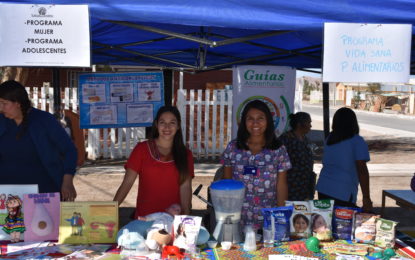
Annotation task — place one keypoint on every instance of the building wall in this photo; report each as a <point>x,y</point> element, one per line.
<point>200,80</point>
<point>35,77</point>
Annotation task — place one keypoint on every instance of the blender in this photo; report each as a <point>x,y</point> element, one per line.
<point>227,198</point>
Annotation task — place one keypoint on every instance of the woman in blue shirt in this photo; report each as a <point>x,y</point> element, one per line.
<point>344,163</point>
<point>35,149</point>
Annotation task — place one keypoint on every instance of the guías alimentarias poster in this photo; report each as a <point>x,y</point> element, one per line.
<point>273,85</point>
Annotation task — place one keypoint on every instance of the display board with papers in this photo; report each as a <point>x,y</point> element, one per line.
<point>120,99</point>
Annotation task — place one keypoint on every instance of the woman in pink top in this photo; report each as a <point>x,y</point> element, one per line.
<point>164,166</point>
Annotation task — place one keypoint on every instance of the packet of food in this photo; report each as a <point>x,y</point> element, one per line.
<point>300,219</point>
<point>365,228</point>
<point>186,231</point>
<point>321,218</point>
<point>343,221</point>
<point>278,221</point>
<point>385,233</point>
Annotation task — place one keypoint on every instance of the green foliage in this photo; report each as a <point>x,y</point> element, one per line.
<point>307,87</point>
<point>373,87</point>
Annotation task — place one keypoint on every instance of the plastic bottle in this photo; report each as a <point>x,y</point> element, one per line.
<point>250,239</point>
<point>268,237</point>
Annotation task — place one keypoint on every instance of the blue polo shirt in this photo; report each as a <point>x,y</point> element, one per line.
<point>338,177</point>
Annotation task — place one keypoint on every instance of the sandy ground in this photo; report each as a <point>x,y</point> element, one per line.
<point>383,149</point>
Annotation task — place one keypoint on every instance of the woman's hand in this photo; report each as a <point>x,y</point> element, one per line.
<point>367,205</point>
<point>186,196</point>
<point>68,191</point>
<point>125,187</point>
<point>282,188</point>
<point>363,174</point>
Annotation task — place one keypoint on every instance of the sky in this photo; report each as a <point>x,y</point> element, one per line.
<point>301,73</point>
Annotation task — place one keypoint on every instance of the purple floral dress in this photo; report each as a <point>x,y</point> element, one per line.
<point>261,189</point>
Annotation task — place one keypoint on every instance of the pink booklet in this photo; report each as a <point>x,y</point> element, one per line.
<point>41,216</point>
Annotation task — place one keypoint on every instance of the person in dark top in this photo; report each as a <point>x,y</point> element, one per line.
<point>35,149</point>
<point>300,178</point>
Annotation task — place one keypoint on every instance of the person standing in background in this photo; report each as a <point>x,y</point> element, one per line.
<point>35,149</point>
<point>344,163</point>
<point>301,178</point>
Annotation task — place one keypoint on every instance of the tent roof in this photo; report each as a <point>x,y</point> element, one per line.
<point>212,34</point>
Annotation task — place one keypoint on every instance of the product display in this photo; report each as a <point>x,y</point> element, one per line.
<point>365,228</point>
<point>356,235</point>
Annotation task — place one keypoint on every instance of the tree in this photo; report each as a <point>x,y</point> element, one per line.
<point>15,73</point>
<point>307,87</point>
<point>373,87</point>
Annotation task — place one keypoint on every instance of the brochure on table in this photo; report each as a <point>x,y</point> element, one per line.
<point>41,216</point>
<point>108,100</point>
<point>16,191</point>
<point>88,222</point>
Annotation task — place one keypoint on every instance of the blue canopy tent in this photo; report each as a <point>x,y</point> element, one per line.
<point>212,34</point>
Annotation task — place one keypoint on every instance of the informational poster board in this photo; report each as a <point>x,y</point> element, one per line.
<point>44,35</point>
<point>272,84</point>
<point>356,52</point>
<point>109,100</point>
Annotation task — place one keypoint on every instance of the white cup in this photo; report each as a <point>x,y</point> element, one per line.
<point>212,243</point>
<point>226,245</point>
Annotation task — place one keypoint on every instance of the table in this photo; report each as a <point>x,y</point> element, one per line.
<point>403,198</point>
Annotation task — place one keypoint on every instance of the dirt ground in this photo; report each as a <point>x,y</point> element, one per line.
<point>383,148</point>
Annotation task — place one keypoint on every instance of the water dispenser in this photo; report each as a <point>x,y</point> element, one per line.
<point>227,199</point>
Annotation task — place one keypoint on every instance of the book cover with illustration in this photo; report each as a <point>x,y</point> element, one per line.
<point>88,222</point>
<point>41,216</point>
<point>11,210</point>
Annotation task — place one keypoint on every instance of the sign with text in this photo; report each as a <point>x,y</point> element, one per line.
<point>120,99</point>
<point>44,35</point>
<point>273,85</point>
<point>366,52</point>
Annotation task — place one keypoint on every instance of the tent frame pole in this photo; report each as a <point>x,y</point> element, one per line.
<point>326,110</point>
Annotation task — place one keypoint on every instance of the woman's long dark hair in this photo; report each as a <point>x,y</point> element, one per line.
<point>14,91</point>
<point>179,150</point>
<point>271,140</point>
<point>344,126</point>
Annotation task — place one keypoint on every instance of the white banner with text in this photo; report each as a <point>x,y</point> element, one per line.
<point>366,52</point>
<point>44,35</point>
